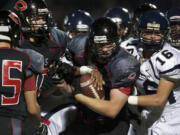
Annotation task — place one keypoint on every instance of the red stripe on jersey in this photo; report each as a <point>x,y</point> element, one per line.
<point>44,72</point>
<point>45,120</point>
<point>30,83</point>
<point>125,90</point>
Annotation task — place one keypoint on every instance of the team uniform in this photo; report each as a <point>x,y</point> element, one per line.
<point>163,65</point>
<point>51,53</point>
<point>114,76</point>
<point>59,37</point>
<point>49,50</point>
<point>131,46</point>
<point>17,73</point>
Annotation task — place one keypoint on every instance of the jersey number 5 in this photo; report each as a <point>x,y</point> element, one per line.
<point>7,81</point>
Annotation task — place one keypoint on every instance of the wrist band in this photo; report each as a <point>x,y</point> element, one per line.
<point>133,100</point>
<point>85,70</point>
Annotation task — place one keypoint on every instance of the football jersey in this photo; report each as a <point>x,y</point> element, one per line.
<point>47,48</point>
<point>131,46</point>
<point>59,37</point>
<point>164,64</point>
<point>77,47</point>
<point>120,72</point>
<point>51,52</point>
<point>14,65</point>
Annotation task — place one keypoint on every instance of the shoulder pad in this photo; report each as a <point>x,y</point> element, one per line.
<point>167,62</point>
<point>78,44</point>
<point>60,37</point>
<point>124,69</point>
<point>37,61</point>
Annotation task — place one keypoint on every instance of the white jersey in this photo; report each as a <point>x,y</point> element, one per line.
<point>130,46</point>
<point>165,64</point>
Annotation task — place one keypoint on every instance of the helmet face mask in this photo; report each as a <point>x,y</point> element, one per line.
<point>173,16</point>
<point>39,21</point>
<point>175,35</point>
<point>153,30</point>
<point>105,51</point>
<point>150,37</point>
<point>34,16</point>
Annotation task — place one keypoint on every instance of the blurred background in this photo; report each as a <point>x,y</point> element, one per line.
<point>60,8</point>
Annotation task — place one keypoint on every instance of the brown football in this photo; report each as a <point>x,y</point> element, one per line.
<point>88,88</point>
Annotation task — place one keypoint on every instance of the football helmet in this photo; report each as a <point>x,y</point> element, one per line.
<point>121,17</point>
<point>139,11</point>
<point>34,17</point>
<point>10,28</point>
<point>103,39</point>
<point>173,16</point>
<point>77,22</point>
<point>153,30</point>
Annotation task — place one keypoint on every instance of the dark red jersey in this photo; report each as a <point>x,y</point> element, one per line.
<point>14,65</point>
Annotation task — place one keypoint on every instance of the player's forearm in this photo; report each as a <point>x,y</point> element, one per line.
<point>103,107</point>
<point>148,100</point>
<point>35,115</point>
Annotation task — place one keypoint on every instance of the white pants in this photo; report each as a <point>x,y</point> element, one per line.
<point>167,124</point>
<point>60,119</point>
<point>131,130</point>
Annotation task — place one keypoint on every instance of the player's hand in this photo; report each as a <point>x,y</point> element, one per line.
<point>67,72</point>
<point>47,82</point>
<point>145,114</point>
<point>76,88</point>
<point>98,79</point>
<point>42,129</point>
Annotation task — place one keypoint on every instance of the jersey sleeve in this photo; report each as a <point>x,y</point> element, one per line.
<point>37,62</point>
<point>124,72</point>
<point>130,45</point>
<point>170,70</point>
<point>30,84</point>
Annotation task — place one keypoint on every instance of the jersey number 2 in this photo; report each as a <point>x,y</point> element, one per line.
<point>7,81</point>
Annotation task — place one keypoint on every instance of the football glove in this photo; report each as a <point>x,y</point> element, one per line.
<point>76,88</point>
<point>42,129</point>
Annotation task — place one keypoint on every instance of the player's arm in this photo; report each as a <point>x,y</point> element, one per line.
<point>158,99</point>
<point>31,100</point>
<point>109,108</point>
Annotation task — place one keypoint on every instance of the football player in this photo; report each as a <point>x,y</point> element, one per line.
<point>138,12</point>
<point>40,35</point>
<point>106,116</point>
<point>36,30</point>
<point>173,16</point>
<point>159,73</point>
<point>77,22</point>
<point>18,98</point>
<point>122,18</point>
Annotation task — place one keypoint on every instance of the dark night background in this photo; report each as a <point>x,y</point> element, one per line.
<point>60,8</point>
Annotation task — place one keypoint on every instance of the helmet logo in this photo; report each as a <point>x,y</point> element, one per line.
<point>21,5</point>
<point>14,18</point>
<point>100,39</point>
<point>82,27</point>
<point>153,26</point>
<point>116,20</point>
<point>174,17</point>
<point>132,76</point>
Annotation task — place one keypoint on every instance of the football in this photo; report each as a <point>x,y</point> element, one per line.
<point>88,89</point>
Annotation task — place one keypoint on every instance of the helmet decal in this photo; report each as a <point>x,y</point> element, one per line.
<point>21,5</point>
<point>14,18</point>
